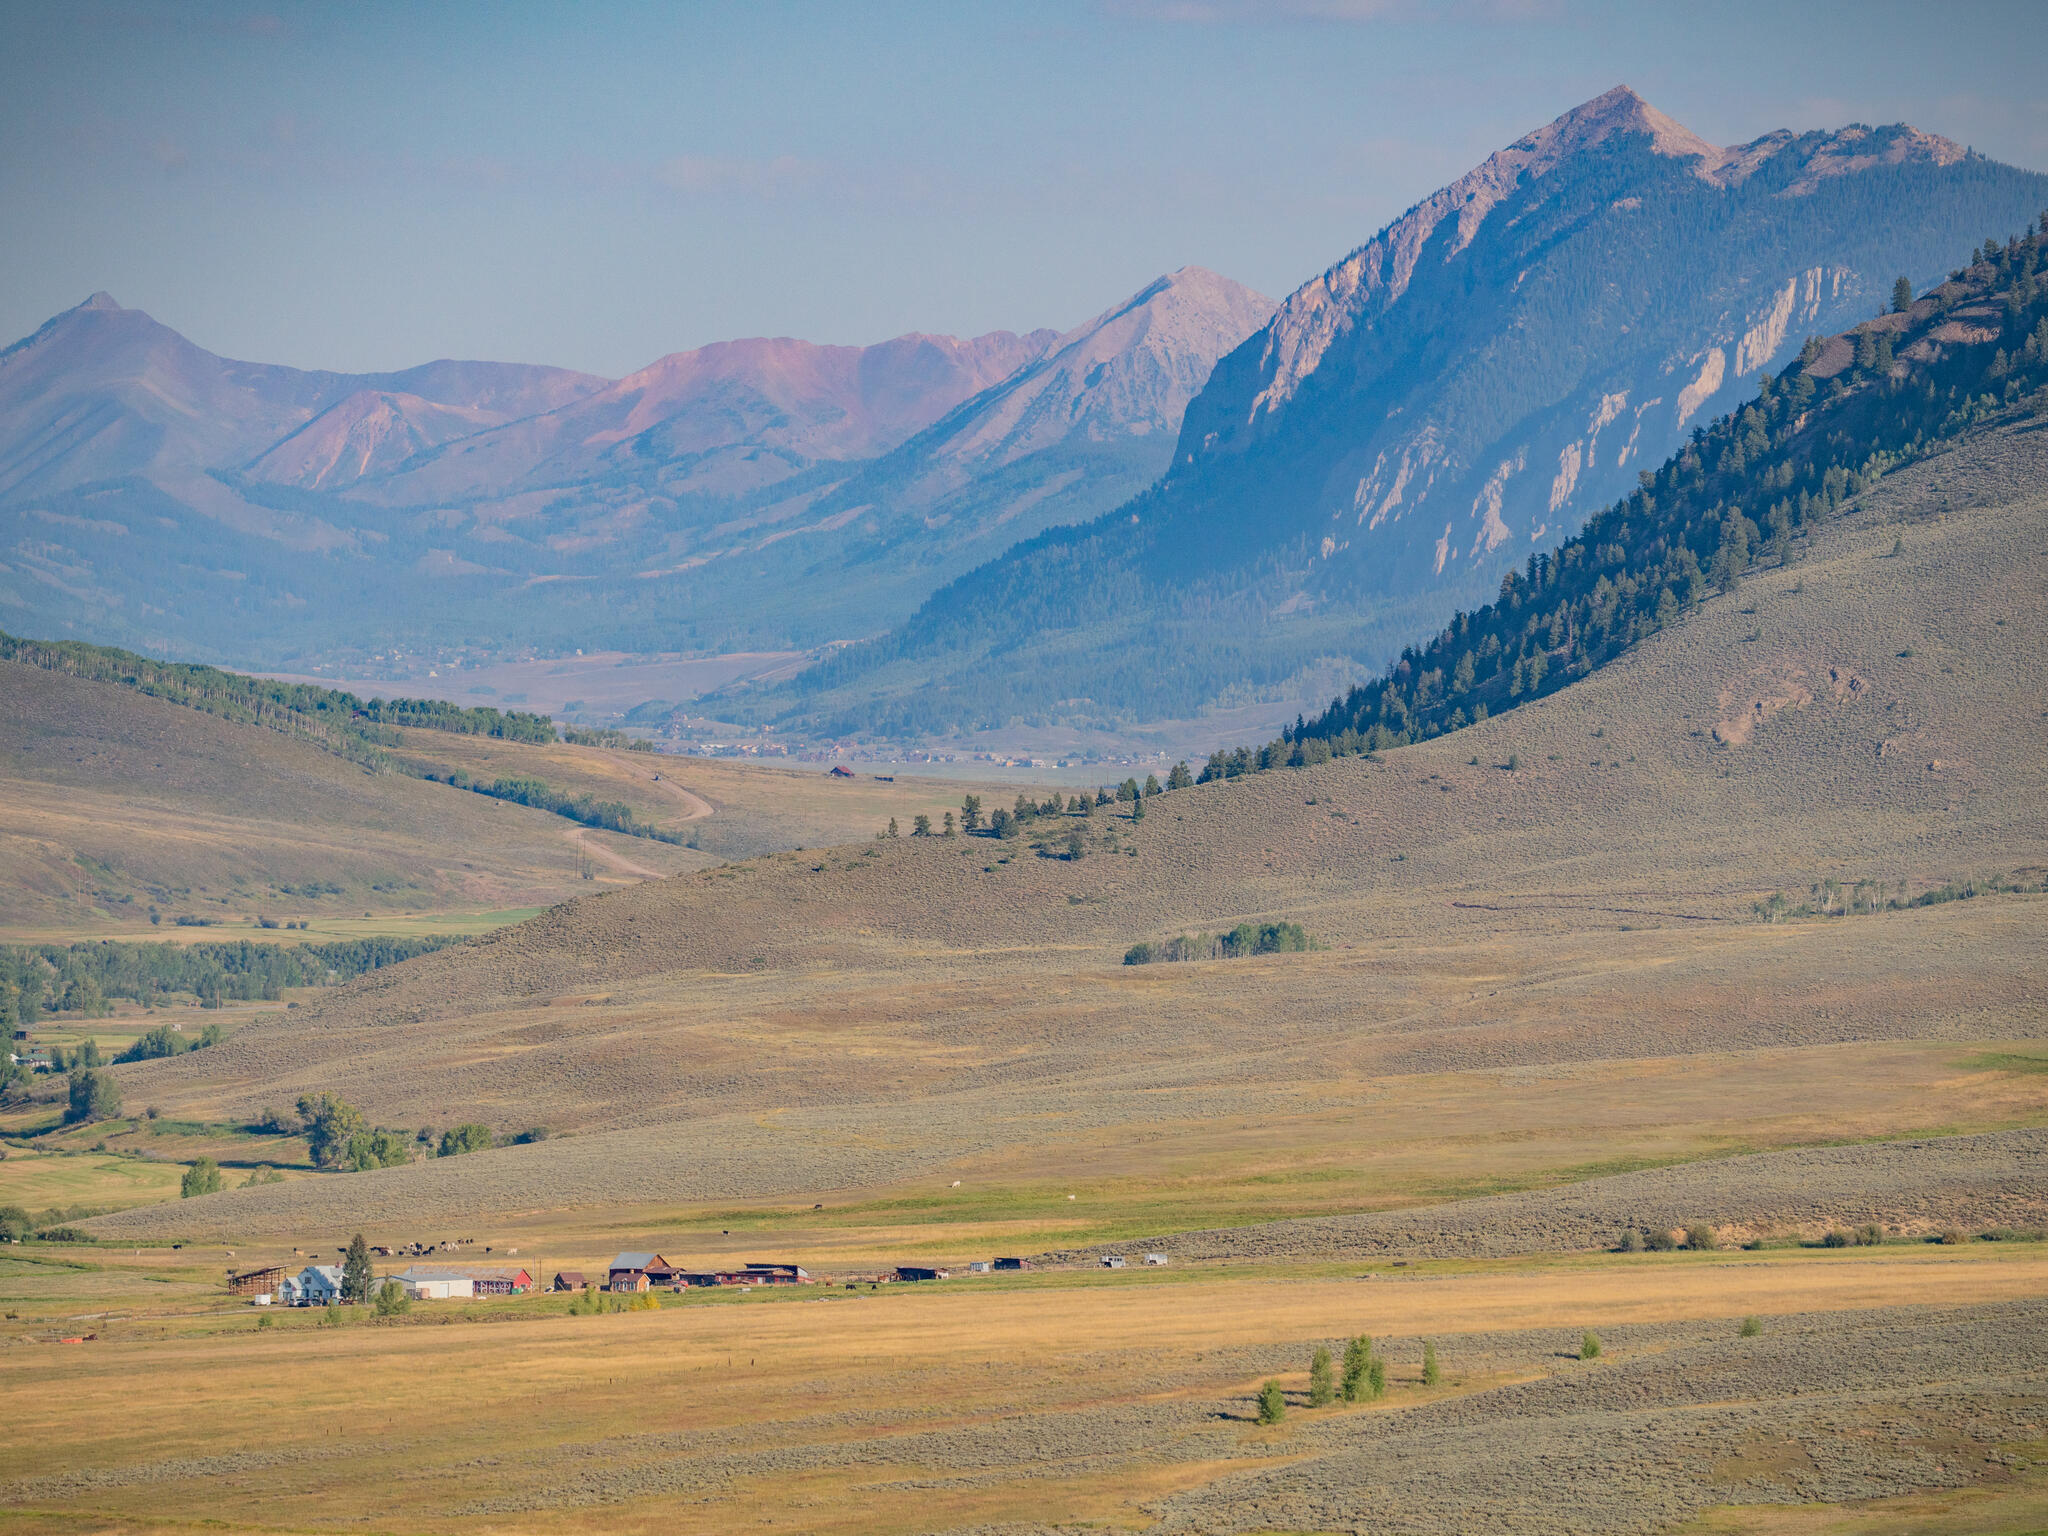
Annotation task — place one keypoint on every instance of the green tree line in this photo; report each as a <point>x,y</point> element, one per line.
<point>339,721</point>
<point>610,815</point>
<point>40,979</point>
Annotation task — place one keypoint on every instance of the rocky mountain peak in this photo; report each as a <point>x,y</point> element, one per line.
<point>1376,275</point>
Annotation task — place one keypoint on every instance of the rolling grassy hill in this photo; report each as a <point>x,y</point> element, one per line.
<point>1567,884</point>
<point>114,802</point>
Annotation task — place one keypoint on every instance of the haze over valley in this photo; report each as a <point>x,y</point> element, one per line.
<point>1411,906</point>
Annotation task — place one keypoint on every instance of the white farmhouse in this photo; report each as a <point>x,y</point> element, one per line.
<point>319,1285</point>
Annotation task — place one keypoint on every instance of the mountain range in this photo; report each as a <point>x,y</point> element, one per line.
<point>1458,393</point>
<point>155,493</point>
<point>1195,500</point>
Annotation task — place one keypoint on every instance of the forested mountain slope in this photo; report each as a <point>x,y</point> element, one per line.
<point>1850,409</point>
<point>1462,390</point>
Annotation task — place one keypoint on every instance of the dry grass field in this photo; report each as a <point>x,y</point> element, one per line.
<point>1123,1401</point>
<point>111,802</point>
<point>733,808</point>
<point>1543,1012</point>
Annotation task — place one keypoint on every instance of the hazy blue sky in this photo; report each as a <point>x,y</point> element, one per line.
<point>371,185</point>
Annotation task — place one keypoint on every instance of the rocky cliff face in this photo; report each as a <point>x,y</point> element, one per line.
<point>1475,379</point>
<point>1456,394</point>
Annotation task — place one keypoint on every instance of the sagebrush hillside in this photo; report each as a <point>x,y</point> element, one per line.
<point>1570,881</point>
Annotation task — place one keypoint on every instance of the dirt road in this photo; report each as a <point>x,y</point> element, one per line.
<point>605,856</point>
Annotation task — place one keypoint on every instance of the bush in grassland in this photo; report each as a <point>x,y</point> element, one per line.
<point>1272,1403</point>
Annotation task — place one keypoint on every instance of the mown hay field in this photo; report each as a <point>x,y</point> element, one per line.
<point>39,1181</point>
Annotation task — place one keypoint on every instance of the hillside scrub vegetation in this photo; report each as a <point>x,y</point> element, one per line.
<point>1832,898</point>
<point>1747,489</point>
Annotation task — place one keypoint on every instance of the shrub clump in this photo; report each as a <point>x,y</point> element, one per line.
<point>202,1178</point>
<point>1282,938</point>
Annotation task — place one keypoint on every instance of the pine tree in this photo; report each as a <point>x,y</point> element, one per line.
<point>1077,846</point>
<point>1322,1380</point>
<point>1902,295</point>
<point>970,813</point>
<point>892,828</point>
<point>356,1272</point>
<point>920,826</point>
<point>1179,778</point>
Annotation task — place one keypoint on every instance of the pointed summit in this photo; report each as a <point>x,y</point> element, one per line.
<point>1621,110</point>
<point>101,300</point>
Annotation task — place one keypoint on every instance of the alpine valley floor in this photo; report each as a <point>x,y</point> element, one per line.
<point>1544,1014</point>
